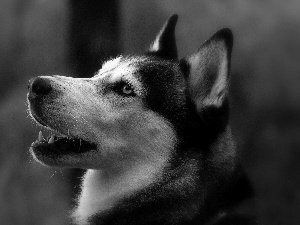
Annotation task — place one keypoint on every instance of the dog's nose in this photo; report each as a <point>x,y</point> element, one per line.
<point>39,86</point>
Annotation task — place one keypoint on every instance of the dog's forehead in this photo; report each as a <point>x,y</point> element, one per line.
<point>133,67</point>
<point>120,67</point>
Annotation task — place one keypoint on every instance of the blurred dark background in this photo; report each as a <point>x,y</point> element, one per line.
<point>73,38</point>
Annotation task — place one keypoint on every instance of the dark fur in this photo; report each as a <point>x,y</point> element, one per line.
<point>215,192</point>
<point>204,182</point>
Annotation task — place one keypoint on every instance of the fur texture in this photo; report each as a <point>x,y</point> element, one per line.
<point>152,132</point>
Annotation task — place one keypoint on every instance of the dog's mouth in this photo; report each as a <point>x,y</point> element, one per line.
<point>62,143</point>
<point>56,145</point>
<point>59,144</point>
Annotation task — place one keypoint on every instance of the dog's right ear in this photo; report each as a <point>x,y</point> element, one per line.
<point>207,72</point>
<point>164,45</point>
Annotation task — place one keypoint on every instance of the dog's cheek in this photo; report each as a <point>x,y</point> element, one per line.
<point>141,137</point>
<point>151,136</point>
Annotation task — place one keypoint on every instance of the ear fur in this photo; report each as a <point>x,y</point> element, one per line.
<point>207,71</point>
<point>164,45</point>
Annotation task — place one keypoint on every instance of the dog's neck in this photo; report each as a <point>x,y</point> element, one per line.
<point>174,194</point>
<point>101,190</point>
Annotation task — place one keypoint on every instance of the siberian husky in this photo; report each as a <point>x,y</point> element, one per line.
<point>152,132</point>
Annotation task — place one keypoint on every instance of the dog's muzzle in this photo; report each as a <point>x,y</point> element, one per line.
<point>41,93</point>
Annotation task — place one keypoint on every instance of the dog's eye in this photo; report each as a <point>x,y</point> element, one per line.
<point>124,88</point>
<point>127,89</point>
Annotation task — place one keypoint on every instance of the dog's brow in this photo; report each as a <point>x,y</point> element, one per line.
<point>111,64</point>
<point>118,66</point>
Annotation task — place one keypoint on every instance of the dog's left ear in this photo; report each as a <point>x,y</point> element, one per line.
<point>207,71</point>
<point>164,45</point>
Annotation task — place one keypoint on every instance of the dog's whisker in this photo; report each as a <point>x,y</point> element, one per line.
<point>52,175</point>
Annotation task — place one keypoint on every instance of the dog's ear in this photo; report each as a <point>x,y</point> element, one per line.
<point>207,71</point>
<point>164,45</point>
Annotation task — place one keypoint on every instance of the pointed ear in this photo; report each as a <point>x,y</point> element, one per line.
<point>164,45</point>
<point>207,71</point>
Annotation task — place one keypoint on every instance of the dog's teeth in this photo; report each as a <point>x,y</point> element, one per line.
<point>40,138</point>
<point>51,140</point>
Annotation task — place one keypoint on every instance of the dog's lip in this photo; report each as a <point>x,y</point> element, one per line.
<point>38,119</point>
<point>54,145</point>
<point>58,133</point>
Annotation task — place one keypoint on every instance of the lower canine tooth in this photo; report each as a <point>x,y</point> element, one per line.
<point>51,140</point>
<point>40,138</point>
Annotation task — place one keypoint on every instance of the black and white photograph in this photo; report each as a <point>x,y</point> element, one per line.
<point>158,112</point>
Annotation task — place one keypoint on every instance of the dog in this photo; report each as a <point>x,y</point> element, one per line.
<point>153,134</point>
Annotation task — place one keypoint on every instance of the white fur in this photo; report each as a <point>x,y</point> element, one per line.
<point>212,56</point>
<point>101,192</point>
<point>218,90</point>
<point>120,68</point>
<point>155,46</point>
<point>102,189</point>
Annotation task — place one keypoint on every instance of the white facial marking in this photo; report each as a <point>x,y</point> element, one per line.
<point>121,69</point>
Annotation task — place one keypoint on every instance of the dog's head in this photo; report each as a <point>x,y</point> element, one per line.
<point>136,109</point>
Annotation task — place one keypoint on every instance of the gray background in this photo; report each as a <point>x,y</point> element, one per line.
<point>265,93</point>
